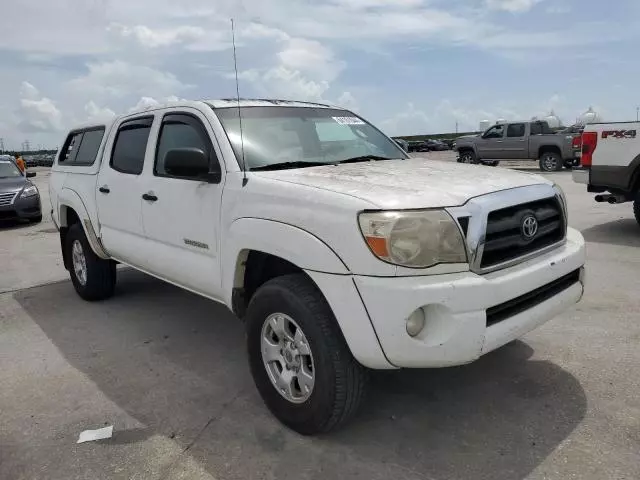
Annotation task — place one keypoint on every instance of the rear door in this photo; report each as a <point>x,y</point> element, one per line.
<point>489,146</point>
<point>515,144</point>
<point>181,215</point>
<point>119,190</point>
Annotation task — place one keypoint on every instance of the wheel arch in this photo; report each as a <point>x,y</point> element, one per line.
<point>273,248</point>
<point>71,210</point>
<point>549,148</point>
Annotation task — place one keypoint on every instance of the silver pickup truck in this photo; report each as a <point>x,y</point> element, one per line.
<point>520,141</point>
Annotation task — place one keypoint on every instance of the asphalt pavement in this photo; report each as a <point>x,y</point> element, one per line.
<point>168,370</point>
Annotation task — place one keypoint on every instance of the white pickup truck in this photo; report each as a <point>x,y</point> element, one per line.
<point>610,163</point>
<point>338,252</point>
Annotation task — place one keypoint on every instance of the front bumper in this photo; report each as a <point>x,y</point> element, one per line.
<point>580,175</point>
<point>456,305</point>
<point>22,208</point>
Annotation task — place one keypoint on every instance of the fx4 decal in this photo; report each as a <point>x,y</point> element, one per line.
<point>619,134</point>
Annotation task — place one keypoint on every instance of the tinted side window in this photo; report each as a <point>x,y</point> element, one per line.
<point>536,128</point>
<point>180,131</point>
<point>68,153</point>
<point>130,146</point>
<point>495,132</point>
<point>88,150</point>
<point>515,130</point>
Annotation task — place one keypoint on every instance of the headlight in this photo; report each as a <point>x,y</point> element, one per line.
<point>417,239</point>
<point>30,191</point>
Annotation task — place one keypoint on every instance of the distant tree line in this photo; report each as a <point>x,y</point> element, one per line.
<point>30,152</point>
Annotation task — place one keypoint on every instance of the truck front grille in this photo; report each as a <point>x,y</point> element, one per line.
<point>6,199</point>
<point>508,235</point>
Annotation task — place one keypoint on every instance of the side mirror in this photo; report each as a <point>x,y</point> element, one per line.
<point>189,163</point>
<point>31,174</point>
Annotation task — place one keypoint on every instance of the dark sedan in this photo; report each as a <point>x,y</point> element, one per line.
<point>437,145</point>
<point>19,198</point>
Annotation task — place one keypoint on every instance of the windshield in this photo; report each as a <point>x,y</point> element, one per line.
<point>8,169</point>
<point>299,135</point>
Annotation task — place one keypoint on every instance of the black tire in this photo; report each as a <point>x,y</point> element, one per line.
<point>568,164</point>
<point>37,219</point>
<point>101,274</point>
<point>340,381</point>
<point>468,156</point>
<point>636,208</point>
<point>551,162</point>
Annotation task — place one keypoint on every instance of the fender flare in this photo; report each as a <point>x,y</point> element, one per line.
<point>288,242</point>
<point>70,199</point>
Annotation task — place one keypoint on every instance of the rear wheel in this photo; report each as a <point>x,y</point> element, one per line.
<point>92,277</point>
<point>636,208</point>
<point>550,162</point>
<point>299,359</point>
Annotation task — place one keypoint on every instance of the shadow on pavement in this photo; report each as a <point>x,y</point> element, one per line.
<point>624,232</point>
<point>176,362</point>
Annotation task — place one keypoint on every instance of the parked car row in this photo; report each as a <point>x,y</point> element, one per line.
<point>39,160</point>
<point>430,145</point>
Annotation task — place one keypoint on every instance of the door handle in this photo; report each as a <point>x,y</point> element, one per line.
<point>149,196</point>
<point>104,189</point>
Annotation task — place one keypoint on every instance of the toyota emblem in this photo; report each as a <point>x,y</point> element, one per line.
<point>529,227</point>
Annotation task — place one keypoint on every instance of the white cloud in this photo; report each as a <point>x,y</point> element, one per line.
<point>348,101</point>
<point>310,56</point>
<point>38,113</point>
<point>513,6</point>
<point>28,91</point>
<point>96,113</point>
<point>119,79</point>
<point>150,38</point>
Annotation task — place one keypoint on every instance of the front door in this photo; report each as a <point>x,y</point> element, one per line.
<point>118,192</point>
<point>181,215</point>
<point>515,144</point>
<point>489,146</point>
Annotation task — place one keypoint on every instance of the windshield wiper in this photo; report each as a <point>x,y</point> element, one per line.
<point>363,158</point>
<point>287,165</point>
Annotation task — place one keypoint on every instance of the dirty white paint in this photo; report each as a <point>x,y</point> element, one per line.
<point>414,183</point>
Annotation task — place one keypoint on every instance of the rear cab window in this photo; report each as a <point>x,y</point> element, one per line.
<point>515,130</point>
<point>81,147</point>
<point>130,146</point>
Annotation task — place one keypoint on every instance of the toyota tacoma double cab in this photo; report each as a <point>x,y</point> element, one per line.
<point>520,141</point>
<point>610,163</point>
<point>338,252</point>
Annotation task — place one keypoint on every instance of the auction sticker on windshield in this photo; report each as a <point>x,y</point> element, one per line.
<point>348,120</point>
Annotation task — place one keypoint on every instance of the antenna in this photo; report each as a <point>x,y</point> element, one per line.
<point>235,67</point>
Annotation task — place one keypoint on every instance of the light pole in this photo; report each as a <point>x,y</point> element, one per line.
<point>637,114</point>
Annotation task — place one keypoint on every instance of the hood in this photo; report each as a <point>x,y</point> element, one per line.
<point>403,184</point>
<point>12,184</point>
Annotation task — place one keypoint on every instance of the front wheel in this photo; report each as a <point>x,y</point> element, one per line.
<point>467,156</point>
<point>92,277</point>
<point>299,359</point>
<point>550,162</point>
